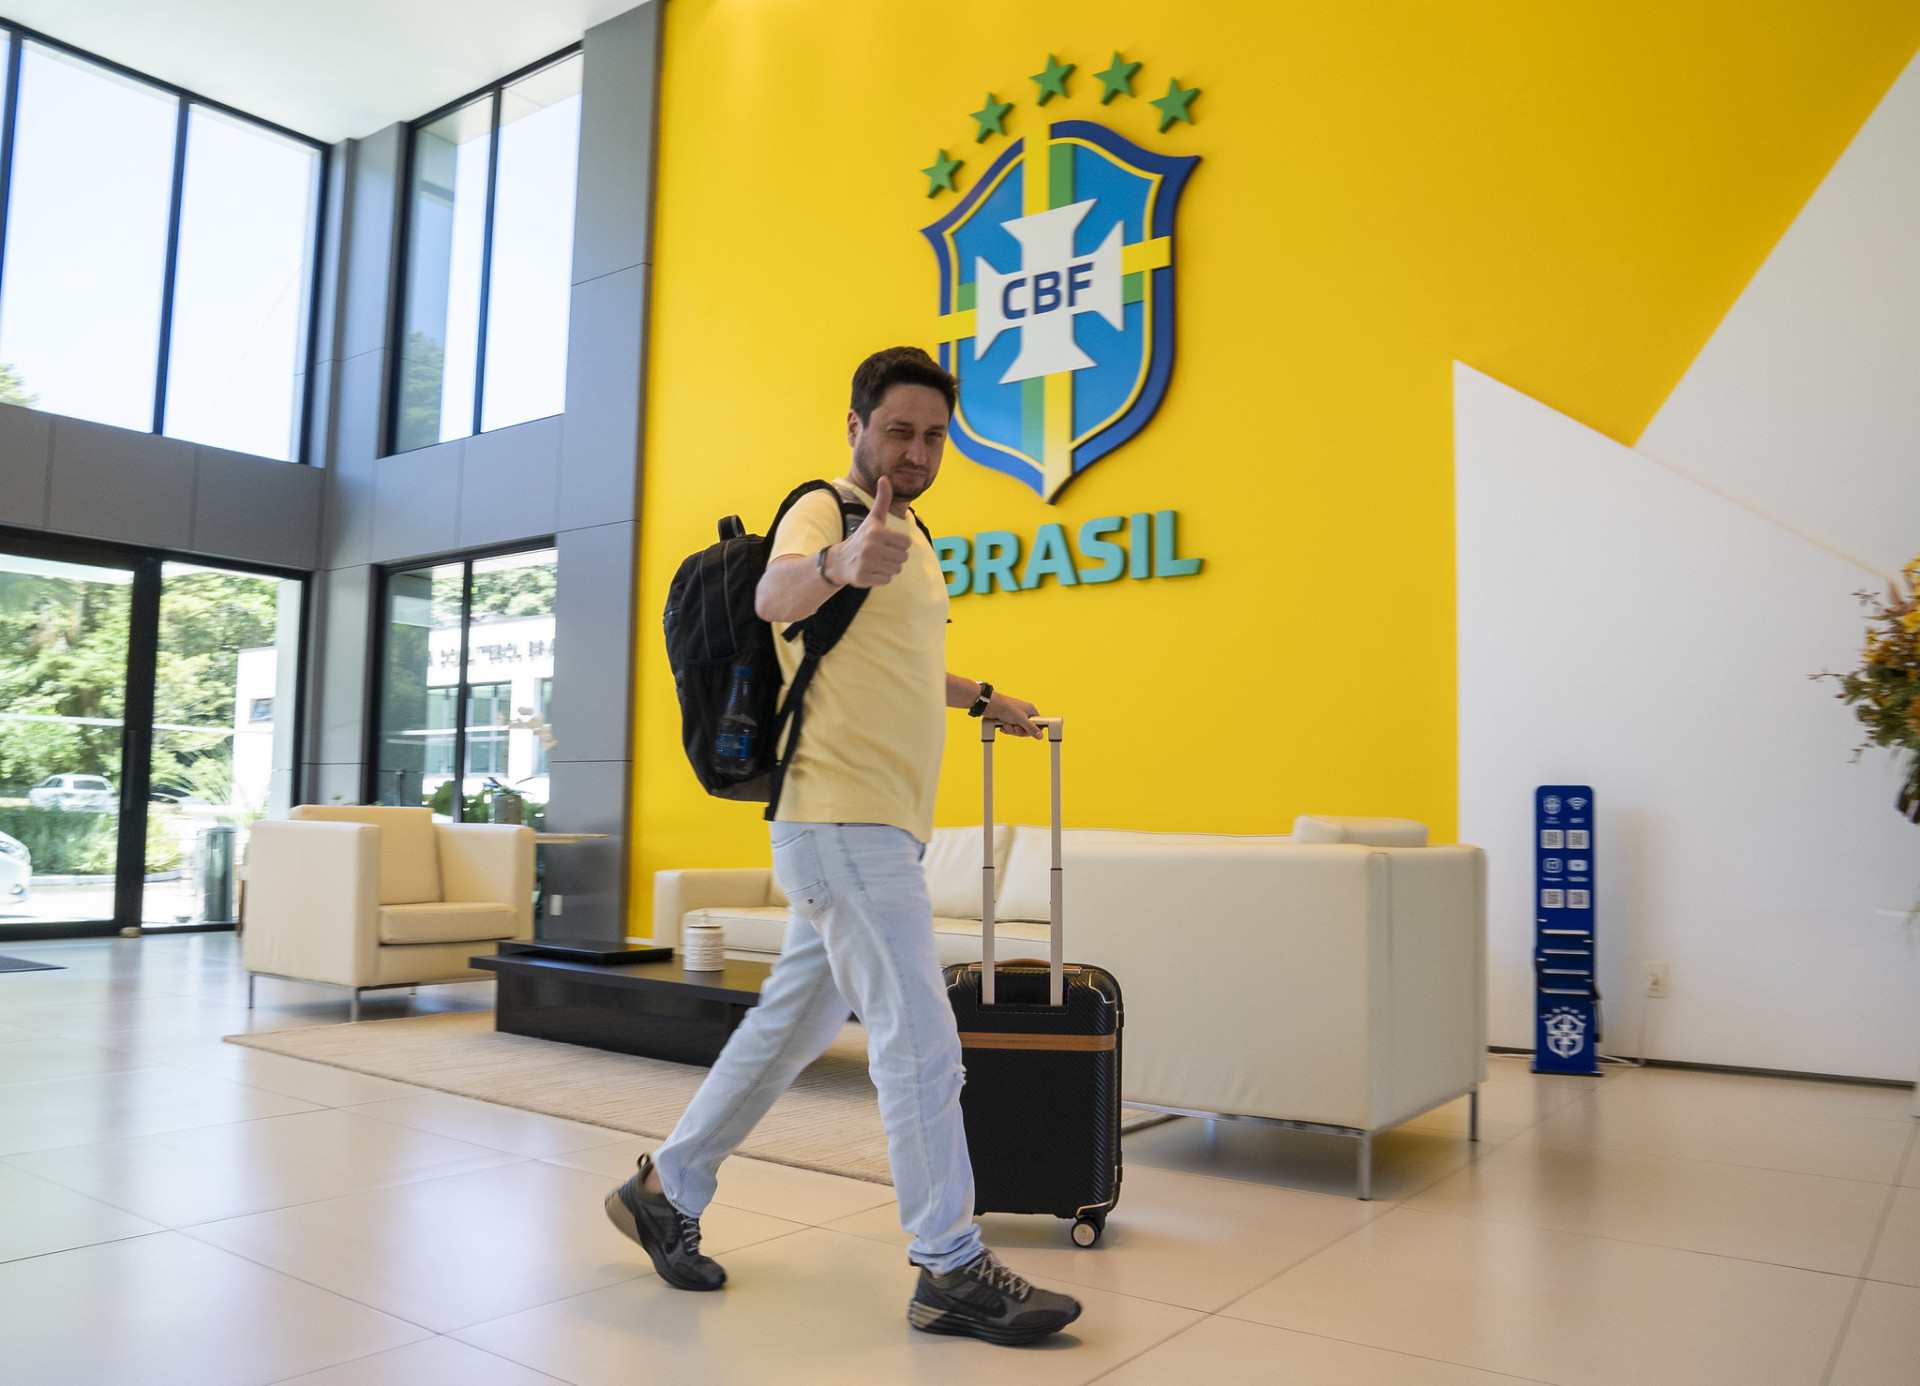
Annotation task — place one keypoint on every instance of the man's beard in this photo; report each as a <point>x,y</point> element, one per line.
<point>865,470</point>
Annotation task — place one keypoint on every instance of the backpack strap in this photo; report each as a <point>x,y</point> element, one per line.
<point>819,633</point>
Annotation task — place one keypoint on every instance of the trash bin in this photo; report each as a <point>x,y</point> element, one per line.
<point>213,869</point>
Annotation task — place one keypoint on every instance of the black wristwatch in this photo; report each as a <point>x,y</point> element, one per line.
<point>979,707</point>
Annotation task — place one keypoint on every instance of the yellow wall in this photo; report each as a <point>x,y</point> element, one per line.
<point>1566,194</point>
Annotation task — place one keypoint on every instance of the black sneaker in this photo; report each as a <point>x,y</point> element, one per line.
<point>986,1300</point>
<point>668,1236</point>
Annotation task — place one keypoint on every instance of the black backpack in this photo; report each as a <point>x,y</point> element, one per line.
<point>712,630</point>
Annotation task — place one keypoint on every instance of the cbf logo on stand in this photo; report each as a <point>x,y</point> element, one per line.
<point>1057,287</point>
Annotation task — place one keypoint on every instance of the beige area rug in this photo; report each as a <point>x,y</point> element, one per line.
<point>829,1120</point>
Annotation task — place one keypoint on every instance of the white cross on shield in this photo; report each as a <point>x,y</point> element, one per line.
<point>1052,287</point>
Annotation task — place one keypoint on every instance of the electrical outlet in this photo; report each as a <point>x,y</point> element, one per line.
<point>1656,975</point>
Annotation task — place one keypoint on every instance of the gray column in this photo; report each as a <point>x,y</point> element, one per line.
<point>599,475</point>
<point>572,479</point>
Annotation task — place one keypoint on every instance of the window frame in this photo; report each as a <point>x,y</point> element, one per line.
<point>376,686</point>
<point>18,36</point>
<point>403,258</point>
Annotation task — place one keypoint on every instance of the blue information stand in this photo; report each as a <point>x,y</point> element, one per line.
<point>1566,984</point>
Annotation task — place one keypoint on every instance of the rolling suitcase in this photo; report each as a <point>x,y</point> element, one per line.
<point>1041,1044</point>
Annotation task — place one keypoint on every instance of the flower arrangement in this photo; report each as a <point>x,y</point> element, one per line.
<point>1884,692</point>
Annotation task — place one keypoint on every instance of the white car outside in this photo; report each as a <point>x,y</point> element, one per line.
<point>74,793</point>
<point>16,870</point>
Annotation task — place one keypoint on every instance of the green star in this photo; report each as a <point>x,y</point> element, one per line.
<point>1053,82</point>
<point>1173,106</point>
<point>991,118</point>
<point>1118,79</point>
<point>940,175</point>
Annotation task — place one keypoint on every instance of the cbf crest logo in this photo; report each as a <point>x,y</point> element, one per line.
<point>1057,285</point>
<point>1566,1031</point>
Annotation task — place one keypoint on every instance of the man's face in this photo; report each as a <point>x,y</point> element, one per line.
<point>902,441</point>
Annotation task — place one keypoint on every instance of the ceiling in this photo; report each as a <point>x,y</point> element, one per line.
<point>327,68</point>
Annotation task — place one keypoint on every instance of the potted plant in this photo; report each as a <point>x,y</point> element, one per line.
<point>1884,692</point>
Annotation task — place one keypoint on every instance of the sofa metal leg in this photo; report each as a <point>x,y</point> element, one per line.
<point>353,1013</point>
<point>1473,1114</point>
<point>250,981</point>
<point>1366,1167</point>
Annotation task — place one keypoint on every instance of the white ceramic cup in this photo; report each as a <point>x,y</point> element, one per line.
<point>703,947</point>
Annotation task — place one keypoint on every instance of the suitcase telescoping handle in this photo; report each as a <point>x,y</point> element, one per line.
<point>1056,732</point>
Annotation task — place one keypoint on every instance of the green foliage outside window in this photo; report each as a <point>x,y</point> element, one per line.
<point>206,619</point>
<point>505,592</point>
<point>13,390</point>
<point>63,652</point>
<point>422,364</point>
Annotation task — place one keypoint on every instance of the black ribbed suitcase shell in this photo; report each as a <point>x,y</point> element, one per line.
<point>1042,1096</point>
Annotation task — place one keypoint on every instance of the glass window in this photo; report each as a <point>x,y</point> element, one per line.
<point>419,676</point>
<point>86,248</point>
<point>118,236</point>
<point>489,258</point>
<point>488,715</point>
<point>242,288</point>
<point>446,240</point>
<point>542,733</point>
<point>529,280</point>
<point>489,709</point>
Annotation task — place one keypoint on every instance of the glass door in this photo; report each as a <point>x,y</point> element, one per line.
<point>147,718</point>
<point>64,656</point>
<point>225,682</point>
<point>466,685</point>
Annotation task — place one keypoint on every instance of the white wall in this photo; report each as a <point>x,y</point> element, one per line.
<point>1805,403</point>
<point>1649,628</point>
<point>1624,626</point>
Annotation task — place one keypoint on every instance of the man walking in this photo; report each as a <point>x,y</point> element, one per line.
<point>850,828</point>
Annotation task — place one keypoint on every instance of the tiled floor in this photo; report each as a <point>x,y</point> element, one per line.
<point>178,1210</point>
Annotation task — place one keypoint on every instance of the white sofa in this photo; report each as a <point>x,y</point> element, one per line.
<point>374,897</point>
<point>1333,979</point>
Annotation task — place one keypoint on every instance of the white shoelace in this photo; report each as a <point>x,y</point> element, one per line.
<point>989,1269</point>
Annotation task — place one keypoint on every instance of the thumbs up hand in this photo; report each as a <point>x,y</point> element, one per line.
<point>873,555</point>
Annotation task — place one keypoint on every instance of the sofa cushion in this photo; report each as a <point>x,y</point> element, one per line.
<point>1321,828</point>
<point>438,923</point>
<point>409,851</point>
<point>764,930</point>
<point>958,940</point>
<point>1025,892</point>
<point>952,868</point>
<point>759,929</point>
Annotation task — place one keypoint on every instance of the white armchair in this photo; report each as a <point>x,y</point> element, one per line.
<point>372,897</point>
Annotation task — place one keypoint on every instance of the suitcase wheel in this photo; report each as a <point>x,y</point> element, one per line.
<point>1087,1230</point>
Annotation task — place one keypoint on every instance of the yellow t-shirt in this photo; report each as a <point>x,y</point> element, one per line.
<point>876,716</point>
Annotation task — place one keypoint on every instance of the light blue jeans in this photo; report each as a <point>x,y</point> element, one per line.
<point>859,937</point>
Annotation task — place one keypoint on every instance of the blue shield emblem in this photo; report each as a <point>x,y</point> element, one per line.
<point>1056,300</point>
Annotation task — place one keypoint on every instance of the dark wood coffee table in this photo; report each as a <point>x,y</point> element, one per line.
<point>658,1010</point>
